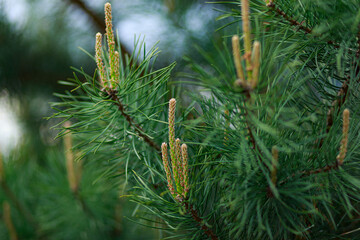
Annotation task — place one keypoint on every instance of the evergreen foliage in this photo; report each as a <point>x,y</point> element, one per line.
<point>42,200</point>
<point>269,154</point>
<point>270,140</point>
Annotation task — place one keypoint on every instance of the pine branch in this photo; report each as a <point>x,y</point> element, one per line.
<point>132,123</point>
<point>341,95</point>
<point>110,84</point>
<point>293,22</point>
<point>246,84</point>
<point>271,5</point>
<point>179,162</point>
<point>339,159</point>
<point>303,174</point>
<point>252,65</point>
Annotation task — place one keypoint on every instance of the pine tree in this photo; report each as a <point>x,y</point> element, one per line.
<point>270,151</point>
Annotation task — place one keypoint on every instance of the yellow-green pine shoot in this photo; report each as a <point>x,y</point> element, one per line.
<point>99,61</point>
<point>117,68</point>
<point>247,35</point>
<point>237,60</point>
<point>8,221</point>
<point>185,171</point>
<point>274,165</point>
<point>111,42</point>
<point>70,160</point>
<point>345,135</point>
<point>172,107</point>
<point>167,169</point>
<point>179,165</point>
<point>256,64</point>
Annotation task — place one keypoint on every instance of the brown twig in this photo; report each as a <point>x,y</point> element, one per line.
<point>132,122</point>
<point>252,138</point>
<point>306,173</point>
<point>247,92</point>
<point>302,174</point>
<point>98,21</point>
<point>190,209</point>
<point>293,22</point>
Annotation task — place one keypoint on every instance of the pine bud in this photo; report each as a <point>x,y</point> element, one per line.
<point>185,170</point>
<point>99,61</point>
<point>237,58</point>
<point>167,168</point>
<point>345,135</point>
<point>256,64</point>
<point>8,221</point>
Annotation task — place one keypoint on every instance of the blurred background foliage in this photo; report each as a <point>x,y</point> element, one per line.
<point>39,41</point>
